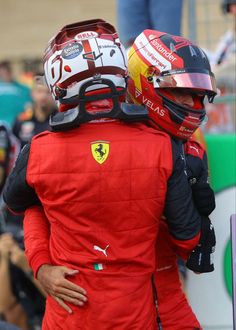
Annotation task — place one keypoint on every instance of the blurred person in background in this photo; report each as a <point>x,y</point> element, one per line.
<point>7,326</point>
<point>227,46</point>
<point>134,16</point>
<point>21,296</point>
<point>14,96</point>
<point>75,243</point>
<point>172,77</point>
<point>21,302</point>
<point>9,149</point>
<point>30,68</point>
<point>222,115</point>
<point>35,119</point>
<point>224,58</point>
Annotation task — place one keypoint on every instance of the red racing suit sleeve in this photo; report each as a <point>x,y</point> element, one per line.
<point>36,246</point>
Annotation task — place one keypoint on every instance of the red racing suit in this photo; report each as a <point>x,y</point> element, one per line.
<point>103,188</point>
<point>174,310</point>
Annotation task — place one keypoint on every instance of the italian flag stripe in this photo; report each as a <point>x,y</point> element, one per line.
<point>98,266</point>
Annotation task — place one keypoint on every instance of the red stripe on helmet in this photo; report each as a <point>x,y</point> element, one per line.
<point>88,49</point>
<point>110,70</point>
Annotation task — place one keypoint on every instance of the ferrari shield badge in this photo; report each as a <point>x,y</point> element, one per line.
<point>100,151</point>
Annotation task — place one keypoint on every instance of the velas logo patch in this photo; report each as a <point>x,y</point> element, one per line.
<point>100,151</point>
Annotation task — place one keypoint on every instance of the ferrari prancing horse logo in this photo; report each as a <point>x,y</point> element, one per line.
<point>100,151</point>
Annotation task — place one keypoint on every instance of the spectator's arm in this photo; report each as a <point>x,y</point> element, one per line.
<point>7,299</point>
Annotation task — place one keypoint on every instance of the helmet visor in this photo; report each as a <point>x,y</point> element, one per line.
<point>193,80</point>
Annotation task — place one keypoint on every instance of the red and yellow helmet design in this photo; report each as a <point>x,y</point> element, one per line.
<point>158,63</point>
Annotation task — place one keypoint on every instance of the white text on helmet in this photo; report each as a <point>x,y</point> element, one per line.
<point>153,59</point>
<point>163,51</point>
<point>185,129</point>
<point>86,35</point>
<point>151,106</point>
<point>184,135</point>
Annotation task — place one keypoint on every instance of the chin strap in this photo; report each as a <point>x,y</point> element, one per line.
<point>72,118</point>
<point>63,121</point>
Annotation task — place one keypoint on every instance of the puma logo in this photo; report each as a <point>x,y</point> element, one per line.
<point>164,268</point>
<point>104,251</point>
<point>197,151</point>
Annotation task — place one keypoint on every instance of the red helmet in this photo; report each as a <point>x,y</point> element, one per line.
<point>81,52</point>
<point>158,65</point>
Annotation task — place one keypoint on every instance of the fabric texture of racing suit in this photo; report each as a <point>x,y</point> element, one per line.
<point>103,217</point>
<point>174,310</point>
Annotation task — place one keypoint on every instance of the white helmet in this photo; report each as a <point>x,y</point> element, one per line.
<point>80,52</point>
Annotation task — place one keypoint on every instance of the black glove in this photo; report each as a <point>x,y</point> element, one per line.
<point>203,197</point>
<point>201,258</point>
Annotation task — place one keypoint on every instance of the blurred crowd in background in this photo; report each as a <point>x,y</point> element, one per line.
<point>25,107</point>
